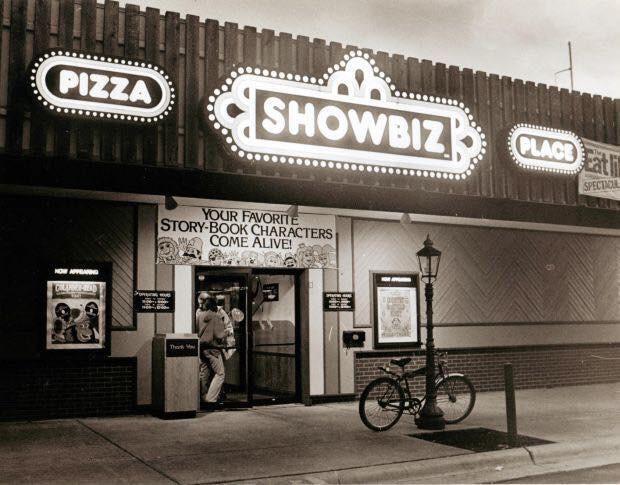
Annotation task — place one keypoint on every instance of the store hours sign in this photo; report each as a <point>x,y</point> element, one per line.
<point>91,86</point>
<point>245,237</point>
<point>350,119</point>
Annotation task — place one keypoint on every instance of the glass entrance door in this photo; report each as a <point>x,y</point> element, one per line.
<point>260,353</point>
<point>230,293</point>
<point>274,338</point>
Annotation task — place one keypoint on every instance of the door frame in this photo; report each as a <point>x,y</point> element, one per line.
<point>246,273</point>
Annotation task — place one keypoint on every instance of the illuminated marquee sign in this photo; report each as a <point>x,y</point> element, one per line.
<point>351,119</point>
<point>91,86</point>
<point>546,149</point>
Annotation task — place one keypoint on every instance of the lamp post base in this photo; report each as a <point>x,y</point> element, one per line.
<point>431,417</point>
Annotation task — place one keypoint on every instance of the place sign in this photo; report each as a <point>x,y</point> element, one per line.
<point>182,348</point>
<point>545,149</point>
<point>338,301</point>
<point>352,118</point>
<point>91,86</point>
<point>153,301</point>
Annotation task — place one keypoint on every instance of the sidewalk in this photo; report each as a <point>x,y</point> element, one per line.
<point>327,443</point>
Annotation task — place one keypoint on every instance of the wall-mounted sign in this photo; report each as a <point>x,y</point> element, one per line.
<point>338,301</point>
<point>91,86</point>
<point>78,307</point>
<point>352,118</point>
<point>153,301</point>
<point>245,237</point>
<point>600,176</point>
<point>181,347</point>
<point>271,292</point>
<point>396,309</point>
<point>546,149</point>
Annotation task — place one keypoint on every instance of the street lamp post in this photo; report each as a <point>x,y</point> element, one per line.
<point>431,416</point>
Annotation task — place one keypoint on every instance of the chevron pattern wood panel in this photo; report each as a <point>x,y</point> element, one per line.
<point>36,232</point>
<point>490,275</point>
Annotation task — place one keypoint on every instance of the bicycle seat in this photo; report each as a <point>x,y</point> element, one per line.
<point>401,362</point>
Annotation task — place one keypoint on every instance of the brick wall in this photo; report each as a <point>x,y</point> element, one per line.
<point>38,389</point>
<point>540,366</point>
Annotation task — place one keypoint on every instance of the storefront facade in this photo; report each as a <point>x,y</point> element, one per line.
<point>530,271</point>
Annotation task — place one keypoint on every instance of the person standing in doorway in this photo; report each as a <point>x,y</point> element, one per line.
<point>211,331</point>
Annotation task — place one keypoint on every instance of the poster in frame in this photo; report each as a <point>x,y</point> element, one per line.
<point>396,310</point>
<point>77,309</point>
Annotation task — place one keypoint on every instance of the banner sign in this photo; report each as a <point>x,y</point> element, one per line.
<point>352,118</point>
<point>546,149</point>
<point>338,302</point>
<point>153,301</point>
<point>245,237</point>
<point>90,86</point>
<point>600,176</point>
<point>77,307</point>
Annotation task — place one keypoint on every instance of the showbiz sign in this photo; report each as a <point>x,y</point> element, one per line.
<point>350,119</point>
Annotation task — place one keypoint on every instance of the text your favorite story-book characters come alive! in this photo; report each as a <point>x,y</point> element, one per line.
<point>245,237</point>
<point>352,118</point>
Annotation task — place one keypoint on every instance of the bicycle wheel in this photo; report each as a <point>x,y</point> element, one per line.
<point>382,404</point>
<point>456,397</point>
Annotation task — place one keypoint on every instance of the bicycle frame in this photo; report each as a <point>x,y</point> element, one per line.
<point>414,404</point>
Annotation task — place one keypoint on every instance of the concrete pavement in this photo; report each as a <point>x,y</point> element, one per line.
<point>326,443</point>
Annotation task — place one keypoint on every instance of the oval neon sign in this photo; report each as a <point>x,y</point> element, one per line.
<point>546,149</point>
<point>101,87</point>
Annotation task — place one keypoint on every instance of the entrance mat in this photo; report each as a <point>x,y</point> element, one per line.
<point>478,439</point>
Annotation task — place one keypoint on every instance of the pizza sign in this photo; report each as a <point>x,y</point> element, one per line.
<point>101,87</point>
<point>352,118</point>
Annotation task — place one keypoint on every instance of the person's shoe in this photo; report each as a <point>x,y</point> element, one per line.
<point>211,406</point>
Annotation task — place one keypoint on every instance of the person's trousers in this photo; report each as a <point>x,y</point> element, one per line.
<point>215,363</point>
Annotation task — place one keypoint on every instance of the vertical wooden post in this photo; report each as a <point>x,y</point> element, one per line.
<point>110,46</point>
<point>88,42</point>
<point>171,124</point>
<point>151,47</point>
<point>38,123</point>
<point>511,407</point>
<point>66,13</point>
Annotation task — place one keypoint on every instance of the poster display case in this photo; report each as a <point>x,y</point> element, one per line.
<point>396,310</point>
<point>77,308</point>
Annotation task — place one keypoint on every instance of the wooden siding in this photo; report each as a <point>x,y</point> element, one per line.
<point>497,276</point>
<point>197,53</point>
<point>37,232</point>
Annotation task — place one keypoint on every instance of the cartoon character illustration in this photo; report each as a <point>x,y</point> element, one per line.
<point>249,258</point>
<point>326,256</point>
<point>167,250</point>
<point>273,259</point>
<point>232,259</point>
<point>215,256</point>
<point>61,322</point>
<point>191,251</point>
<point>307,256</point>
<point>289,260</point>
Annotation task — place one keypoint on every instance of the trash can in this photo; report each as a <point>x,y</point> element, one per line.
<point>176,386</point>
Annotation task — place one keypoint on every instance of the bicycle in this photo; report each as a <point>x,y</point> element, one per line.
<point>385,399</point>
